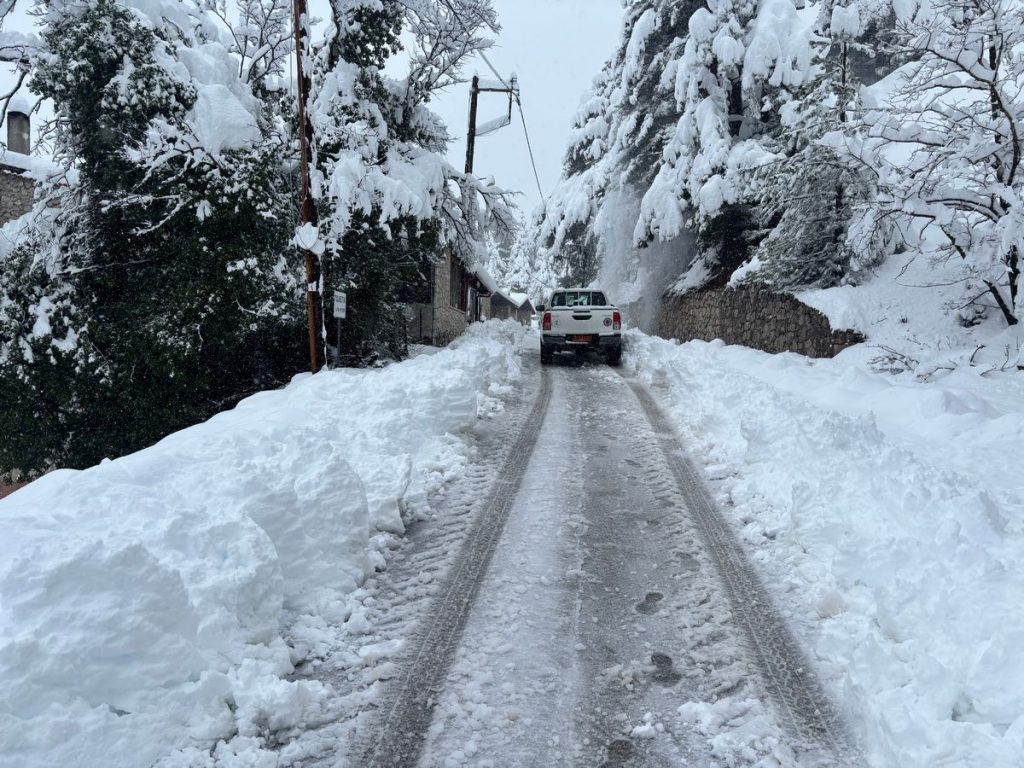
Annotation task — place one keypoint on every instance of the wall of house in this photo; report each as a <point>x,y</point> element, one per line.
<point>500,308</point>
<point>448,322</point>
<point>771,322</point>
<point>15,194</point>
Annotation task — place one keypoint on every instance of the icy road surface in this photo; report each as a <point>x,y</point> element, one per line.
<point>596,612</point>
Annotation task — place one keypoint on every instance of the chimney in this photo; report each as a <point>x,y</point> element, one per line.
<point>18,137</point>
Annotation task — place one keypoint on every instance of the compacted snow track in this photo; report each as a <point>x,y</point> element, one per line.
<point>598,613</point>
<point>806,709</point>
<point>412,704</point>
<point>396,604</point>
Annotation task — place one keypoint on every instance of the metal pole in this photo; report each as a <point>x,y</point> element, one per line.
<point>474,92</point>
<point>314,301</point>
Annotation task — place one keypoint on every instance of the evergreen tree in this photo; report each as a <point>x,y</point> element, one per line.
<point>389,199</point>
<point>807,198</point>
<point>164,242</point>
<point>618,137</point>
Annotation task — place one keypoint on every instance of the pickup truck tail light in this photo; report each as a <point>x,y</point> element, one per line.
<point>546,324</point>
<point>616,321</point>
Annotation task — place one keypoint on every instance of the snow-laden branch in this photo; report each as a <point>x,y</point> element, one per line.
<point>948,150</point>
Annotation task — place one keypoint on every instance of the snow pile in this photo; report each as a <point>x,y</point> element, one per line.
<point>145,603</point>
<point>887,513</point>
<point>912,312</point>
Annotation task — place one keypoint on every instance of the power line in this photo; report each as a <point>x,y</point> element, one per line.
<point>526,132</point>
<point>529,147</point>
<point>519,102</point>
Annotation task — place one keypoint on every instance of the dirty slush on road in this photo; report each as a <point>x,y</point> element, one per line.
<point>590,609</point>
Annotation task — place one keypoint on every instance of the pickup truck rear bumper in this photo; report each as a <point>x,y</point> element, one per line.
<point>605,342</point>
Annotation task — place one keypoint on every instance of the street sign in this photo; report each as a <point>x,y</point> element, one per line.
<point>340,305</point>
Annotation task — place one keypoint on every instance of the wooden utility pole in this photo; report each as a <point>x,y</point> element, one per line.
<point>314,301</point>
<point>474,92</point>
<point>475,89</point>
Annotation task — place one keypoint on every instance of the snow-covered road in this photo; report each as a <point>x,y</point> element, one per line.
<point>499,565</point>
<point>601,633</point>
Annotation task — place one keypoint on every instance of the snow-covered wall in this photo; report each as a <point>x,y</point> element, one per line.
<point>15,192</point>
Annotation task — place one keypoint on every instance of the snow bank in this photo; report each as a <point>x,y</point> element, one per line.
<point>887,514</point>
<point>911,310</point>
<point>145,603</point>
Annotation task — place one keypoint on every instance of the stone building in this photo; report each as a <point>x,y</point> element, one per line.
<point>16,190</point>
<point>455,297</point>
<point>507,305</point>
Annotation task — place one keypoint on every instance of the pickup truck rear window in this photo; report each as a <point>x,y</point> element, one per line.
<point>579,299</point>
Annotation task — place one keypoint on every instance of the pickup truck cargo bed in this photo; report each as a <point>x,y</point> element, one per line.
<point>579,319</point>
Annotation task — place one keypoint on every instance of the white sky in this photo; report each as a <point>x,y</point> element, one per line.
<point>555,47</point>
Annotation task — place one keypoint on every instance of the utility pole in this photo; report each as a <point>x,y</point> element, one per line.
<point>314,301</point>
<point>475,89</point>
<point>474,92</point>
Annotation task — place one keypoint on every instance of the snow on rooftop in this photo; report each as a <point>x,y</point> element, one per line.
<point>16,160</point>
<point>516,298</point>
<point>30,165</point>
<point>485,277</point>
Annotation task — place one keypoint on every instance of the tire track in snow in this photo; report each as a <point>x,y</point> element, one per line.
<point>401,733</point>
<point>802,703</point>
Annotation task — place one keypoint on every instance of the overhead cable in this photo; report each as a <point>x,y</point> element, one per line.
<point>514,91</point>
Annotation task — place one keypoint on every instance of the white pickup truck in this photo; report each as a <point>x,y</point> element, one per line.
<point>578,319</point>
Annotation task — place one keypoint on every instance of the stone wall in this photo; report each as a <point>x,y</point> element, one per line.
<point>448,322</point>
<point>439,323</point>
<point>15,194</point>
<point>772,322</point>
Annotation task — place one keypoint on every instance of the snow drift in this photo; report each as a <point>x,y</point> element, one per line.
<point>887,515</point>
<point>145,603</point>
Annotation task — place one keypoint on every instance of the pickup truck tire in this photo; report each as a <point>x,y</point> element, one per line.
<point>547,356</point>
<point>614,356</point>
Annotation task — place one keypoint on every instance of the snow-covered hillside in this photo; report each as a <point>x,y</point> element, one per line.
<point>158,602</point>
<point>798,146</point>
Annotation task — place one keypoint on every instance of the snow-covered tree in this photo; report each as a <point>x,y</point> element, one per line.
<point>388,197</point>
<point>152,277</point>
<point>740,61</point>
<point>518,264</point>
<point>673,130</point>
<point>617,140</point>
<point>948,146</point>
<point>807,197</point>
